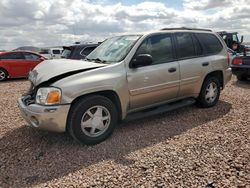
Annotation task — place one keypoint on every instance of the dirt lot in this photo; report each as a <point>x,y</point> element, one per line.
<point>189,147</point>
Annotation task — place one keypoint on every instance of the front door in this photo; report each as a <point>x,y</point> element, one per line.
<point>158,82</point>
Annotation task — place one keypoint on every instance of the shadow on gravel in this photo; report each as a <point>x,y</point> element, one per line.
<point>11,80</point>
<point>29,157</point>
<point>243,84</point>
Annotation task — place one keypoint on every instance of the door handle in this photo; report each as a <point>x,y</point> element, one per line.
<point>205,64</point>
<point>173,69</point>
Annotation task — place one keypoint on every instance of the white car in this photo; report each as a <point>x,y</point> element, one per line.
<point>52,53</point>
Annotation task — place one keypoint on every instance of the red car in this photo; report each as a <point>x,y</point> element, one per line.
<point>16,64</point>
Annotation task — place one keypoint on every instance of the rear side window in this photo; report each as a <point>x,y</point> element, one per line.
<point>210,42</point>
<point>185,45</point>
<point>159,47</point>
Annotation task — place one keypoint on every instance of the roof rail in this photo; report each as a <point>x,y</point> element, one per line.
<point>186,28</point>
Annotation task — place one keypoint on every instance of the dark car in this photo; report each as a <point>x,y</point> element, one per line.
<point>241,67</point>
<point>78,51</point>
<point>15,64</point>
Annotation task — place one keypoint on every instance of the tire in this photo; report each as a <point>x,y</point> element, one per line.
<point>206,99</point>
<point>241,77</point>
<point>3,74</point>
<point>92,119</point>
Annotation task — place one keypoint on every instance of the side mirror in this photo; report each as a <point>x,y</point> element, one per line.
<point>242,39</point>
<point>141,60</point>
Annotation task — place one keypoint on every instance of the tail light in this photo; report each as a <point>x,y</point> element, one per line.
<point>228,59</point>
<point>238,61</point>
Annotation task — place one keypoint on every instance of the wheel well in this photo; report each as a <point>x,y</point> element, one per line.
<point>217,74</point>
<point>7,73</point>
<point>4,70</point>
<point>112,95</point>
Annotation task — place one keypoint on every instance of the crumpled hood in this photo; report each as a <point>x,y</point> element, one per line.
<point>50,69</point>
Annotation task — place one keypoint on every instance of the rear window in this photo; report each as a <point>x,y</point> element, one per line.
<point>210,42</point>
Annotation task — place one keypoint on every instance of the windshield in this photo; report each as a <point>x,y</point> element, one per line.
<point>114,49</point>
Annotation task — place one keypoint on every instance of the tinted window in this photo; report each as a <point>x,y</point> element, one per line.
<point>30,56</point>
<point>87,51</point>
<point>66,53</point>
<point>185,45</point>
<point>56,51</point>
<point>159,47</point>
<point>12,56</point>
<point>197,46</point>
<point>210,42</point>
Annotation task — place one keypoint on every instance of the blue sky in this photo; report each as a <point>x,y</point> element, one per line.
<point>169,3</point>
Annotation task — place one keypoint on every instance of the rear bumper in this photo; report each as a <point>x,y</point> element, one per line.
<point>241,70</point>
<point>50,118</point>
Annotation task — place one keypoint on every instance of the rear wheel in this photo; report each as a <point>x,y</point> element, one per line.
<point>92,119</point>
<point>3,74</point>
<point>210,92</point>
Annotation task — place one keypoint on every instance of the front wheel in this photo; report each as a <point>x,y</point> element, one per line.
<point>92,119</point>
<point>210,92</point>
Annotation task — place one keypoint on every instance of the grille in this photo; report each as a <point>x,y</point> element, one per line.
<point>29,96</point>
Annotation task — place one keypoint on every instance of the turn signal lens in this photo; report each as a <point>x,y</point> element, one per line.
<point>54,97</point>
<point>48,96</point>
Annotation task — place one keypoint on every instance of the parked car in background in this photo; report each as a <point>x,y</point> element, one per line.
<point>52,53</point>
<point>241,67</point>
<point>127,76</point>
<point>78,51</point>
<point>16,64</point>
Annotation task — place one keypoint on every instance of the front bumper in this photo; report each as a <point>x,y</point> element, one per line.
<point>50,118</point>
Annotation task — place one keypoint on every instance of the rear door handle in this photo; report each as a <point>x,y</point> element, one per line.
<point>205,64</point>
<point>173,69</point>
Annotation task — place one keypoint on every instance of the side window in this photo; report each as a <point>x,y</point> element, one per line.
<point>210,42</point>
<point>159,47</point>
<point>56,52</point>
<point>235,38</point>
<point>12,56</point>
<point>87,51</point>
<point>30,56</point>
<point>197,46</point>
<point>185,45</point>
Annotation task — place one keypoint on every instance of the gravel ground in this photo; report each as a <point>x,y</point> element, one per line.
<point>189,147</point>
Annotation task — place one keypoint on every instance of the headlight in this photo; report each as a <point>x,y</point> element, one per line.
<point>48,96</point>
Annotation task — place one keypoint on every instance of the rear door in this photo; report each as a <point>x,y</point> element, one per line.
<point>197,53</point>
<point>191,62</point>
<point>156,83</point>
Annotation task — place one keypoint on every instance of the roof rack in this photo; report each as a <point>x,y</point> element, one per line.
<point>225,32</point>
<point>186,28</point>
